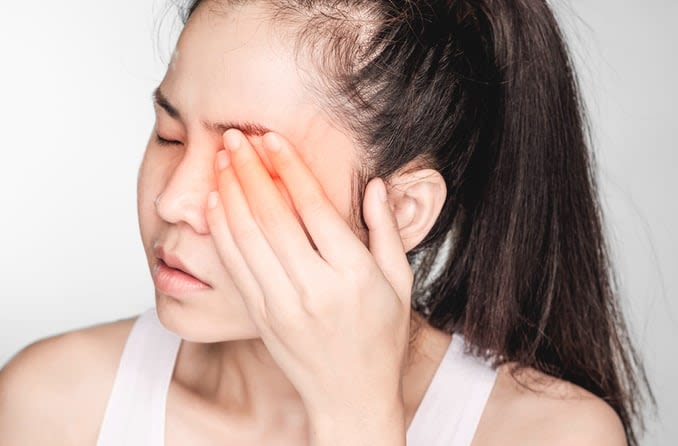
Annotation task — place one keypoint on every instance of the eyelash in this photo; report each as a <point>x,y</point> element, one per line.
<point>165,142</point>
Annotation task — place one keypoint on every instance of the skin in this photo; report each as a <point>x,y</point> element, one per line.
<point>260,218</point>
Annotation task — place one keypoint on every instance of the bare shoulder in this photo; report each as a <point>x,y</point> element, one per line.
<point>55,391</point>
<point>532,408</point>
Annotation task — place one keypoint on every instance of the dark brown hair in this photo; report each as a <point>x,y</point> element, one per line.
<point>484,92</point>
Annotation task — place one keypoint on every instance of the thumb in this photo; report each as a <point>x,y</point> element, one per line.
<point>385,243</point>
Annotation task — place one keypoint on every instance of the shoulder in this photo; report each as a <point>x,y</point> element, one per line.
<point>55,391</point>
<point>531,408</point>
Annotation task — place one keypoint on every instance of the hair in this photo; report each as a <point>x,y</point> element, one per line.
<point>484,92</point>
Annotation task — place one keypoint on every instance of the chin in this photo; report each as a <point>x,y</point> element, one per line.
<point>203,323</point>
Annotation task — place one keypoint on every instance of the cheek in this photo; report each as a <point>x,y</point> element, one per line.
<point>149,185</point>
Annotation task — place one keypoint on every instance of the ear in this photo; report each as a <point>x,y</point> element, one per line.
<point>416,198</point>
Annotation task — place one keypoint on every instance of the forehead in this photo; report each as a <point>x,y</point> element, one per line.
<point>235,66</point>
<point>232,64</point>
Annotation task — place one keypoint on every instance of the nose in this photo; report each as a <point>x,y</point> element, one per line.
<point>185,194</point>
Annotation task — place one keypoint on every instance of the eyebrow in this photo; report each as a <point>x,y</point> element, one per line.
<point>219,127</point>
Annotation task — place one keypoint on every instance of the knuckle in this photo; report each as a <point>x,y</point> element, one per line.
<point>359,273</point>
<point>223,179</point>
<point>285,162</point>
<point>311,206</point>
<point>267,217</point>
<point>306,301</point>
<point>315,304</point>
<point>241,166</point>
<point>245,233</point>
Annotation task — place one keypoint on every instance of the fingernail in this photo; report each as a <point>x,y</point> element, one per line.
<point>232,139</point>
<point>223,159</point>
<point>212,199</point>
<point>272,142</point>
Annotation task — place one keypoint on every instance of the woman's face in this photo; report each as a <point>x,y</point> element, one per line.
<point>229,69</point>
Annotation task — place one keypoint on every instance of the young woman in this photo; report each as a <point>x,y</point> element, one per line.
<point>368,222</point>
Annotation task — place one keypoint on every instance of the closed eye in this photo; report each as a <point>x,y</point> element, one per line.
<point>165,142</point>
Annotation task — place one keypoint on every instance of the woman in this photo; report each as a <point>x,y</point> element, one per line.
<point>367,222</point>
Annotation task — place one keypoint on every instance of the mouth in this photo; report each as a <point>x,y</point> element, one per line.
<point>171,275</point>
<point>162,263</point>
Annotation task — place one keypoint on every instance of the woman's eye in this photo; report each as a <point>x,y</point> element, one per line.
<point>165,142</point>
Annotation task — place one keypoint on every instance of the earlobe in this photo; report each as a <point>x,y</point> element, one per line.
<point>416,199</point>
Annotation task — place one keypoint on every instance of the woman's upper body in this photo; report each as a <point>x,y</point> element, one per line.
<point>56,392</point>
<point>310,162</point>
<point>448,413</point>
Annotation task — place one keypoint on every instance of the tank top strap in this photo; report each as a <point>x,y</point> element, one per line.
<point>450,411</point>
<point>135,414</point>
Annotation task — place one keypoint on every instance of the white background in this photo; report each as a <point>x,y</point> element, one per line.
<point>75,113</point>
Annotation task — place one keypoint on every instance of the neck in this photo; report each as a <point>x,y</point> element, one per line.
<point>242,379</point>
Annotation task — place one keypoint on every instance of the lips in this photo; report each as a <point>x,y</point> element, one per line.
<point>172,261</point>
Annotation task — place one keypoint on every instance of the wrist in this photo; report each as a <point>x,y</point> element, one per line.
<point>382,424</point>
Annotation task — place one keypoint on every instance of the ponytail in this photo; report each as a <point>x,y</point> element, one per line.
<point>528,278</point>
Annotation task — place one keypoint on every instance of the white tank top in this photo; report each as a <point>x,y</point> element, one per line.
<point>135,415</point>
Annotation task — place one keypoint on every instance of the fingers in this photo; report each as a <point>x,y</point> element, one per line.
<point>269,210</point>
<point>254,267</point>
<point>384,239</point>
<point>233,260</point>
<point>270,239</point>
<point>326,227</point>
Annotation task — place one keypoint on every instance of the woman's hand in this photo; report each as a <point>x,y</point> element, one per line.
<point>333,313</point>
